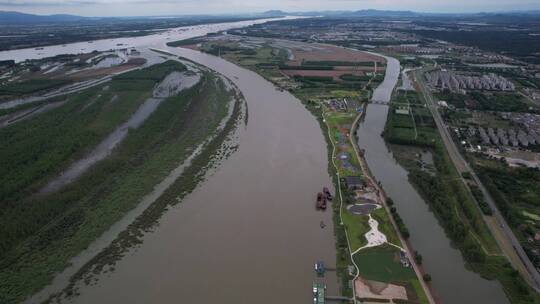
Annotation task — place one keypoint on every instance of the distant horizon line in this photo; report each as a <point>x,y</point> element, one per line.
<point>500,11</point>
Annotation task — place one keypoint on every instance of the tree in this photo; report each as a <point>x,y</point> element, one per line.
<point>418,258</point>
<point>427,278</point>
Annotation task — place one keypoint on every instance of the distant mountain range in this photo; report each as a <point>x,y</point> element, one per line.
<point>7,17</point>
<point>387,13</point>
<point>22,18</point>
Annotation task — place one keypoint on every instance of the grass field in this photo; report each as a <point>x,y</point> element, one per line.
<point>382,264</point>
<point>357,226</point>
<point>31,86</point>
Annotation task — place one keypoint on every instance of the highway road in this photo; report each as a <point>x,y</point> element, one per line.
<point>498,226</point>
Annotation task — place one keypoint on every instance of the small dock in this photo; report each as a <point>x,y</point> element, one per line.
<point>338,299</point>
<point>319,293</point>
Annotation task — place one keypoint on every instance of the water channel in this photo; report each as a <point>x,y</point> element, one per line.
<point>453,283</point>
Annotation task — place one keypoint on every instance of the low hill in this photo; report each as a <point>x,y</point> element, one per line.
<point>7,17</point>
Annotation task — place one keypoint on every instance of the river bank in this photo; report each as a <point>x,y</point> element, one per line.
<point>332,122</point>
<point>213,210</point>
<point>432,243</point>
<point>112,187</point>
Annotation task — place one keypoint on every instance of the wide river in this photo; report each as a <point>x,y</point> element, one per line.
<point>452,282</point>
<point>248,234</point>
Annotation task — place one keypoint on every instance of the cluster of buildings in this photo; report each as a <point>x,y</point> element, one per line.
<point>533,94</point>
<point>478,57</point>
<point>526,133</point>
<point>337,31</point>
<point>459,83</point>
<point>505,137</point>
<point>414,49</point>
<point>343,105</point>
<point>528,121</point>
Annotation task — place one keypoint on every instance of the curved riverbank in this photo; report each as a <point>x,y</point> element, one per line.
<point>275,211</point>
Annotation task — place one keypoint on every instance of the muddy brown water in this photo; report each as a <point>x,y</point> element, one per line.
<point>250,232</point>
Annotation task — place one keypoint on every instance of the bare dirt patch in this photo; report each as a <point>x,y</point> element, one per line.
<point>91,73</point>
<point>379,290</point>
<point>331,53</point>
<point>324,73</point>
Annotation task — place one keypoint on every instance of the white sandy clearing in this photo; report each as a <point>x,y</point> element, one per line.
<point>373,236</point>
<point>379,290</point>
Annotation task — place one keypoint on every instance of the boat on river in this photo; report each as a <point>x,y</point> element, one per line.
<point>321,201</point>
<point>327,193</point>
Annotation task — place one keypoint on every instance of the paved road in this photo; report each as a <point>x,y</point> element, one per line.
<point>505,237</point>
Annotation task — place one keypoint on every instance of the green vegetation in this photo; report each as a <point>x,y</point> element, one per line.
<point>381,264</point>
<point>479,197</point>
<point>457,211</point>
<point>357,226</point>
<point>462,221</point>
<point>492,101</point>
<point>416,127</point>
<point>385,226</point>
<point>42,232</point>
<point>513,43</point>
<point>340,63</point>
<point>351,77</point>
<point>312,79</point>
<point>40,148</point>
<point>399,222</point>
<point>154,73</point>
<point>517,195</point>
<point>185,42</point>
<point>29,105</point>
<point>31,86</point>
<point>306,67</point>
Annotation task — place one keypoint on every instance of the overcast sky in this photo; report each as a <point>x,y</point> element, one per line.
<point>181,7</point>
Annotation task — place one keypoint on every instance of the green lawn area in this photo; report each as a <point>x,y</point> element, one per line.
<point>335,121</point>
<point>422,298</point>
<point>382,264</point>
<point>345,93</point>
<point>401,120</point>
<point>357,226</point>
<point>403,133</point>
